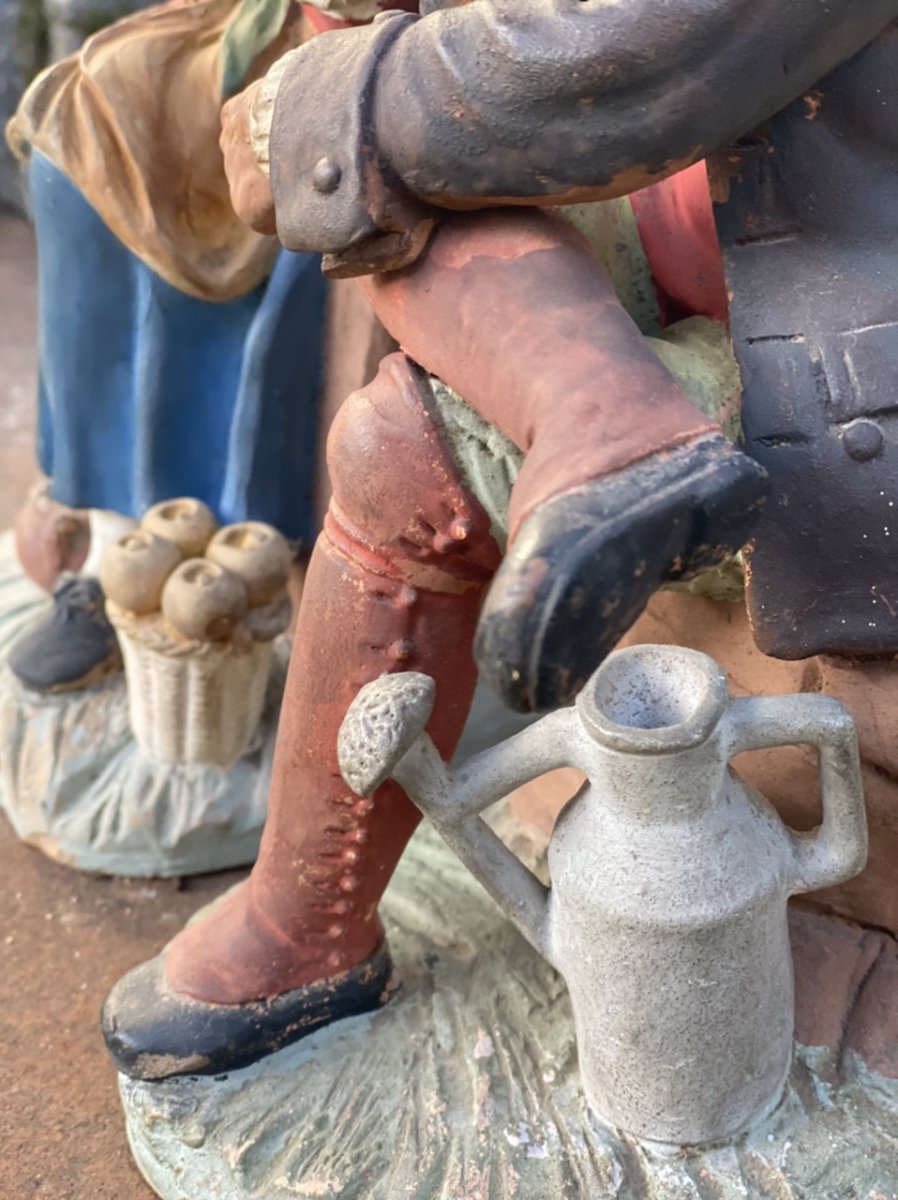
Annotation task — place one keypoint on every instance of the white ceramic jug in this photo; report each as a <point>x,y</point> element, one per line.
<point>670,875</point>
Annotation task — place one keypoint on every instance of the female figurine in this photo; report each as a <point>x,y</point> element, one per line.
<point>179,350</point>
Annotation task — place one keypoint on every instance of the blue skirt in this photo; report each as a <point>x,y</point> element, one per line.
<point>146,393</point>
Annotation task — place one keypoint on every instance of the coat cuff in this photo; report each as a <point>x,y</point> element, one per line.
<point>331,186</point>
<point>261,112</point>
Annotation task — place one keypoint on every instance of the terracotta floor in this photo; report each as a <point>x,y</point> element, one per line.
<point>65,937</point>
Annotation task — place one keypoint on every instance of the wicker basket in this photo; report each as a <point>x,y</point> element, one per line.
<point>191,701</point>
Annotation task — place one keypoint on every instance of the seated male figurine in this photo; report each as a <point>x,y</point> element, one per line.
<point>624,484</point>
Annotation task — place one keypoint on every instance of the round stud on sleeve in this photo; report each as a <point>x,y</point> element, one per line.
<point>326,176</point>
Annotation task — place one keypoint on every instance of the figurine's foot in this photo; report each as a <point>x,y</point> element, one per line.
<point>73,647</point>
<point>155,1032</point>
<point>585,563</point>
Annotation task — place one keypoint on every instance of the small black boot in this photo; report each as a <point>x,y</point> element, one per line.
<point>584,564</point>
<point>73,646</point>
<point>153,1032</point>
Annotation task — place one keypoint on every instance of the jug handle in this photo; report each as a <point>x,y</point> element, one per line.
<point>837,849</point>
<point>454,800</point>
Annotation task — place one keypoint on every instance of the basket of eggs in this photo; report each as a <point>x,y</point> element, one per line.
<point>196,609</point>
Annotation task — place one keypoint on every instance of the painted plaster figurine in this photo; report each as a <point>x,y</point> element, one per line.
<point>179,350</point>
<point>623,486</point>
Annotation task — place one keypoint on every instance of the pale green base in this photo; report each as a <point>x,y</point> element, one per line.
<point>73,782</point>
<point>465,1087</point>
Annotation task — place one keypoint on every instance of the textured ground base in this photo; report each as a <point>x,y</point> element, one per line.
<point>73,782</point>
<point>466,1087</point>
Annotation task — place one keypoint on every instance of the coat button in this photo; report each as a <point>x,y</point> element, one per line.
<point>862,439</point>
<point>326,176</point>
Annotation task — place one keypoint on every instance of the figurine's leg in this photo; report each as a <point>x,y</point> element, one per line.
<point>49,537</point>
<point>395,583</point>
<point>625,484</point>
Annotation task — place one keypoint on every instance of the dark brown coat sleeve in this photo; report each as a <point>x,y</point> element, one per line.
<point>531,101</point>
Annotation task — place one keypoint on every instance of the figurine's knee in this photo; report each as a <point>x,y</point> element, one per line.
<point>396,487</point>
<point>377,428</point>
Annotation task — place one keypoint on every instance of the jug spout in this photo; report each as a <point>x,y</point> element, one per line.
<point>383,736</point>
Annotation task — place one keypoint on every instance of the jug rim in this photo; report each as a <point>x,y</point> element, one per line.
<point>688,686</point>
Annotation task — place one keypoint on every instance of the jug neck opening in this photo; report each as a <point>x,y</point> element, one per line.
<point>654,700</point>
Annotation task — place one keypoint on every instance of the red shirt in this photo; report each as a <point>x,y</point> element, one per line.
<point>676,226</point>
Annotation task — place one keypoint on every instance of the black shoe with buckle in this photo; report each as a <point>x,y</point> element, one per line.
<point>73,646</point>
<point>585,563</point>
